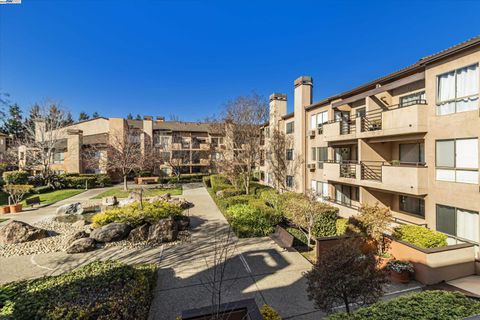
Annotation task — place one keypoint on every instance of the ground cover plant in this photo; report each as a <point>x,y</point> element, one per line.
<point>134,216</point>
<point>427,305</point>
<point>99,290</point>
<point>148,192</point>
<point>420,236</point>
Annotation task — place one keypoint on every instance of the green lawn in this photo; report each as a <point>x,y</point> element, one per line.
<point>119,193</point>
<point>55,196</point>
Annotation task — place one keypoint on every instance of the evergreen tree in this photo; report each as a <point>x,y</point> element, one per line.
<point>130,117</point>
<point>68,119</point>
<point>14,122</point>
<point>95,115</point>
<point>83,116</point>
<point>33,114</point>
<point>138,117</point>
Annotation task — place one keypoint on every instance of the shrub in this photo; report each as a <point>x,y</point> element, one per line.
<point>219,182</point>
<point>300,237</point>
<point>426,305</point>
<point>399,266</point>
<point>268,313</point>
<point>15,177</point>
<point>341,226</point>
<point>134,217</point>
<point>420,236</point>
<point>99,290</point>
<point>257,188</point>
<point>247,221</point>
<point>241,199</point>
<point>206,181</point>
<point>326,222</point>
<point>42,189</point>
<point>231,192</point>
<point>103,180</point>
<point>79,182</point>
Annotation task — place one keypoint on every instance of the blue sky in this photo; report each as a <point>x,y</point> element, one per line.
<point>188,57</point>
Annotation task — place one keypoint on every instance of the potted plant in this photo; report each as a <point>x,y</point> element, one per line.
<point>4,209</point>
<point>16,193</point>
<point>400,271</point>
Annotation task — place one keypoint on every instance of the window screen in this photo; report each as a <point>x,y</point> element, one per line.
<point>446,219</point>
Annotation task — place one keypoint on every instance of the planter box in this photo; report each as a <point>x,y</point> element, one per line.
<point>325,243</point>
<point>15,208</point>
<point>4,209</point>
<point>437,264</point>
<point>238,310</point>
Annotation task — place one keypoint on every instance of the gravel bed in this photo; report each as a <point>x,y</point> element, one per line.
<point>59,241</point>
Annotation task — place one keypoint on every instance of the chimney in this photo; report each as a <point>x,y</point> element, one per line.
<point>160,119</point>
<point>278,108</point>
<point>147,117</point>
<point>302,98</point>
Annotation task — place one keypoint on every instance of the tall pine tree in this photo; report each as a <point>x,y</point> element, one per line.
<point>14,122</point>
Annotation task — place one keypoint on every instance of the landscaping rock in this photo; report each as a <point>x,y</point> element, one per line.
<point>17,232</point>
<point>125,202</point>
<point>82,245</point>
<point>183,222</point>
<point>139,233</point>
<point>73,208</point>
<point>90,207</point>
<point>78,235</point>
<point>184,204</point>
<point>80,224</point>
<point>111,232</point>
<point>109,201</point>
<point>165,230</point>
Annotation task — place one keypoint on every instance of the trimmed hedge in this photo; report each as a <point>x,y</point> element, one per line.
<point>99,290</point>
<point>247,221</point>
<point>341,226</point>
<point>241,199</point>
<point>78,181</point>
<point>42,189</point>
<point>300,238</point>
<point>219,182</point>
<point>420,236</point>
<point>326,223</point>
<point>427,305</point>
<point>15,177</point>
<point>134,217</point>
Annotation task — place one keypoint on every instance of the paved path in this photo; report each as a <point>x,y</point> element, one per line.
<point>33,215</point>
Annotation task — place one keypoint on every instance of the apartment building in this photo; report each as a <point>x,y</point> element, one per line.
<point>185,146</point>
<point>408,140</point>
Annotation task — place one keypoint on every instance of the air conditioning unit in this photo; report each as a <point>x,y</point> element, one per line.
<point>312,133</point>
<point>311,166</point>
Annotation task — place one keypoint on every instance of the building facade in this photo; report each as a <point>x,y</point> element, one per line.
<point>408,141</point>
<point>188,147</point>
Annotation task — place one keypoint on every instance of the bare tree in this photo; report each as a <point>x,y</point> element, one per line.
<point>177,161</point>
<point>240,125</point>
<point>124,153</point>
<point>42,136</point>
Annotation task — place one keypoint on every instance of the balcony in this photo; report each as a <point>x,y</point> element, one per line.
<point>397,120</point>
<point>408,178</point>
<point>402,177</point>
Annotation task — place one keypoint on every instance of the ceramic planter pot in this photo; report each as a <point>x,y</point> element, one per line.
<point>400,277</point>
<point>15,208</point>
<point>4,209</point>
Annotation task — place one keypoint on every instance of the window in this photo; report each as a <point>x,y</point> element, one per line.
<point>289,154</point>
<point>457,222</point>
<point>318,119</point>
<point>411,99</point>
<point>322,156</point>
<point>457,160</point>
<point>412,205</point>
<point>345,194</point>
<point>314,154</point>
<point>289,181</point>
<point>289,127</point>
<point>412,152</point>
<point>216,141</point>
<point>58,157</point>
<point>457,90</point>
<point>322,189</point>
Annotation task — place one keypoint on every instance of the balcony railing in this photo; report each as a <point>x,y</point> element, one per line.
<point>348,170</point>
<point>371,170</point>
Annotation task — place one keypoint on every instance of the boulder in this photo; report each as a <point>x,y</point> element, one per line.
<point>165,197</point>
<point>125,202</point>
<point>81,245</point>
<point>183,222</point>
<point>109,201</point>
<point>73,208</point>
<point>165,230</point>
<point>111,232</point>
<point>78,235</point>
<point>139,234</point>
<point>17,232</point>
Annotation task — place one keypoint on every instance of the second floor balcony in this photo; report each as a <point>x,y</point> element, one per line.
<point>401,177</point>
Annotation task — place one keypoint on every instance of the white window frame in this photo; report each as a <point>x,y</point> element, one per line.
<point>456,174</point>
